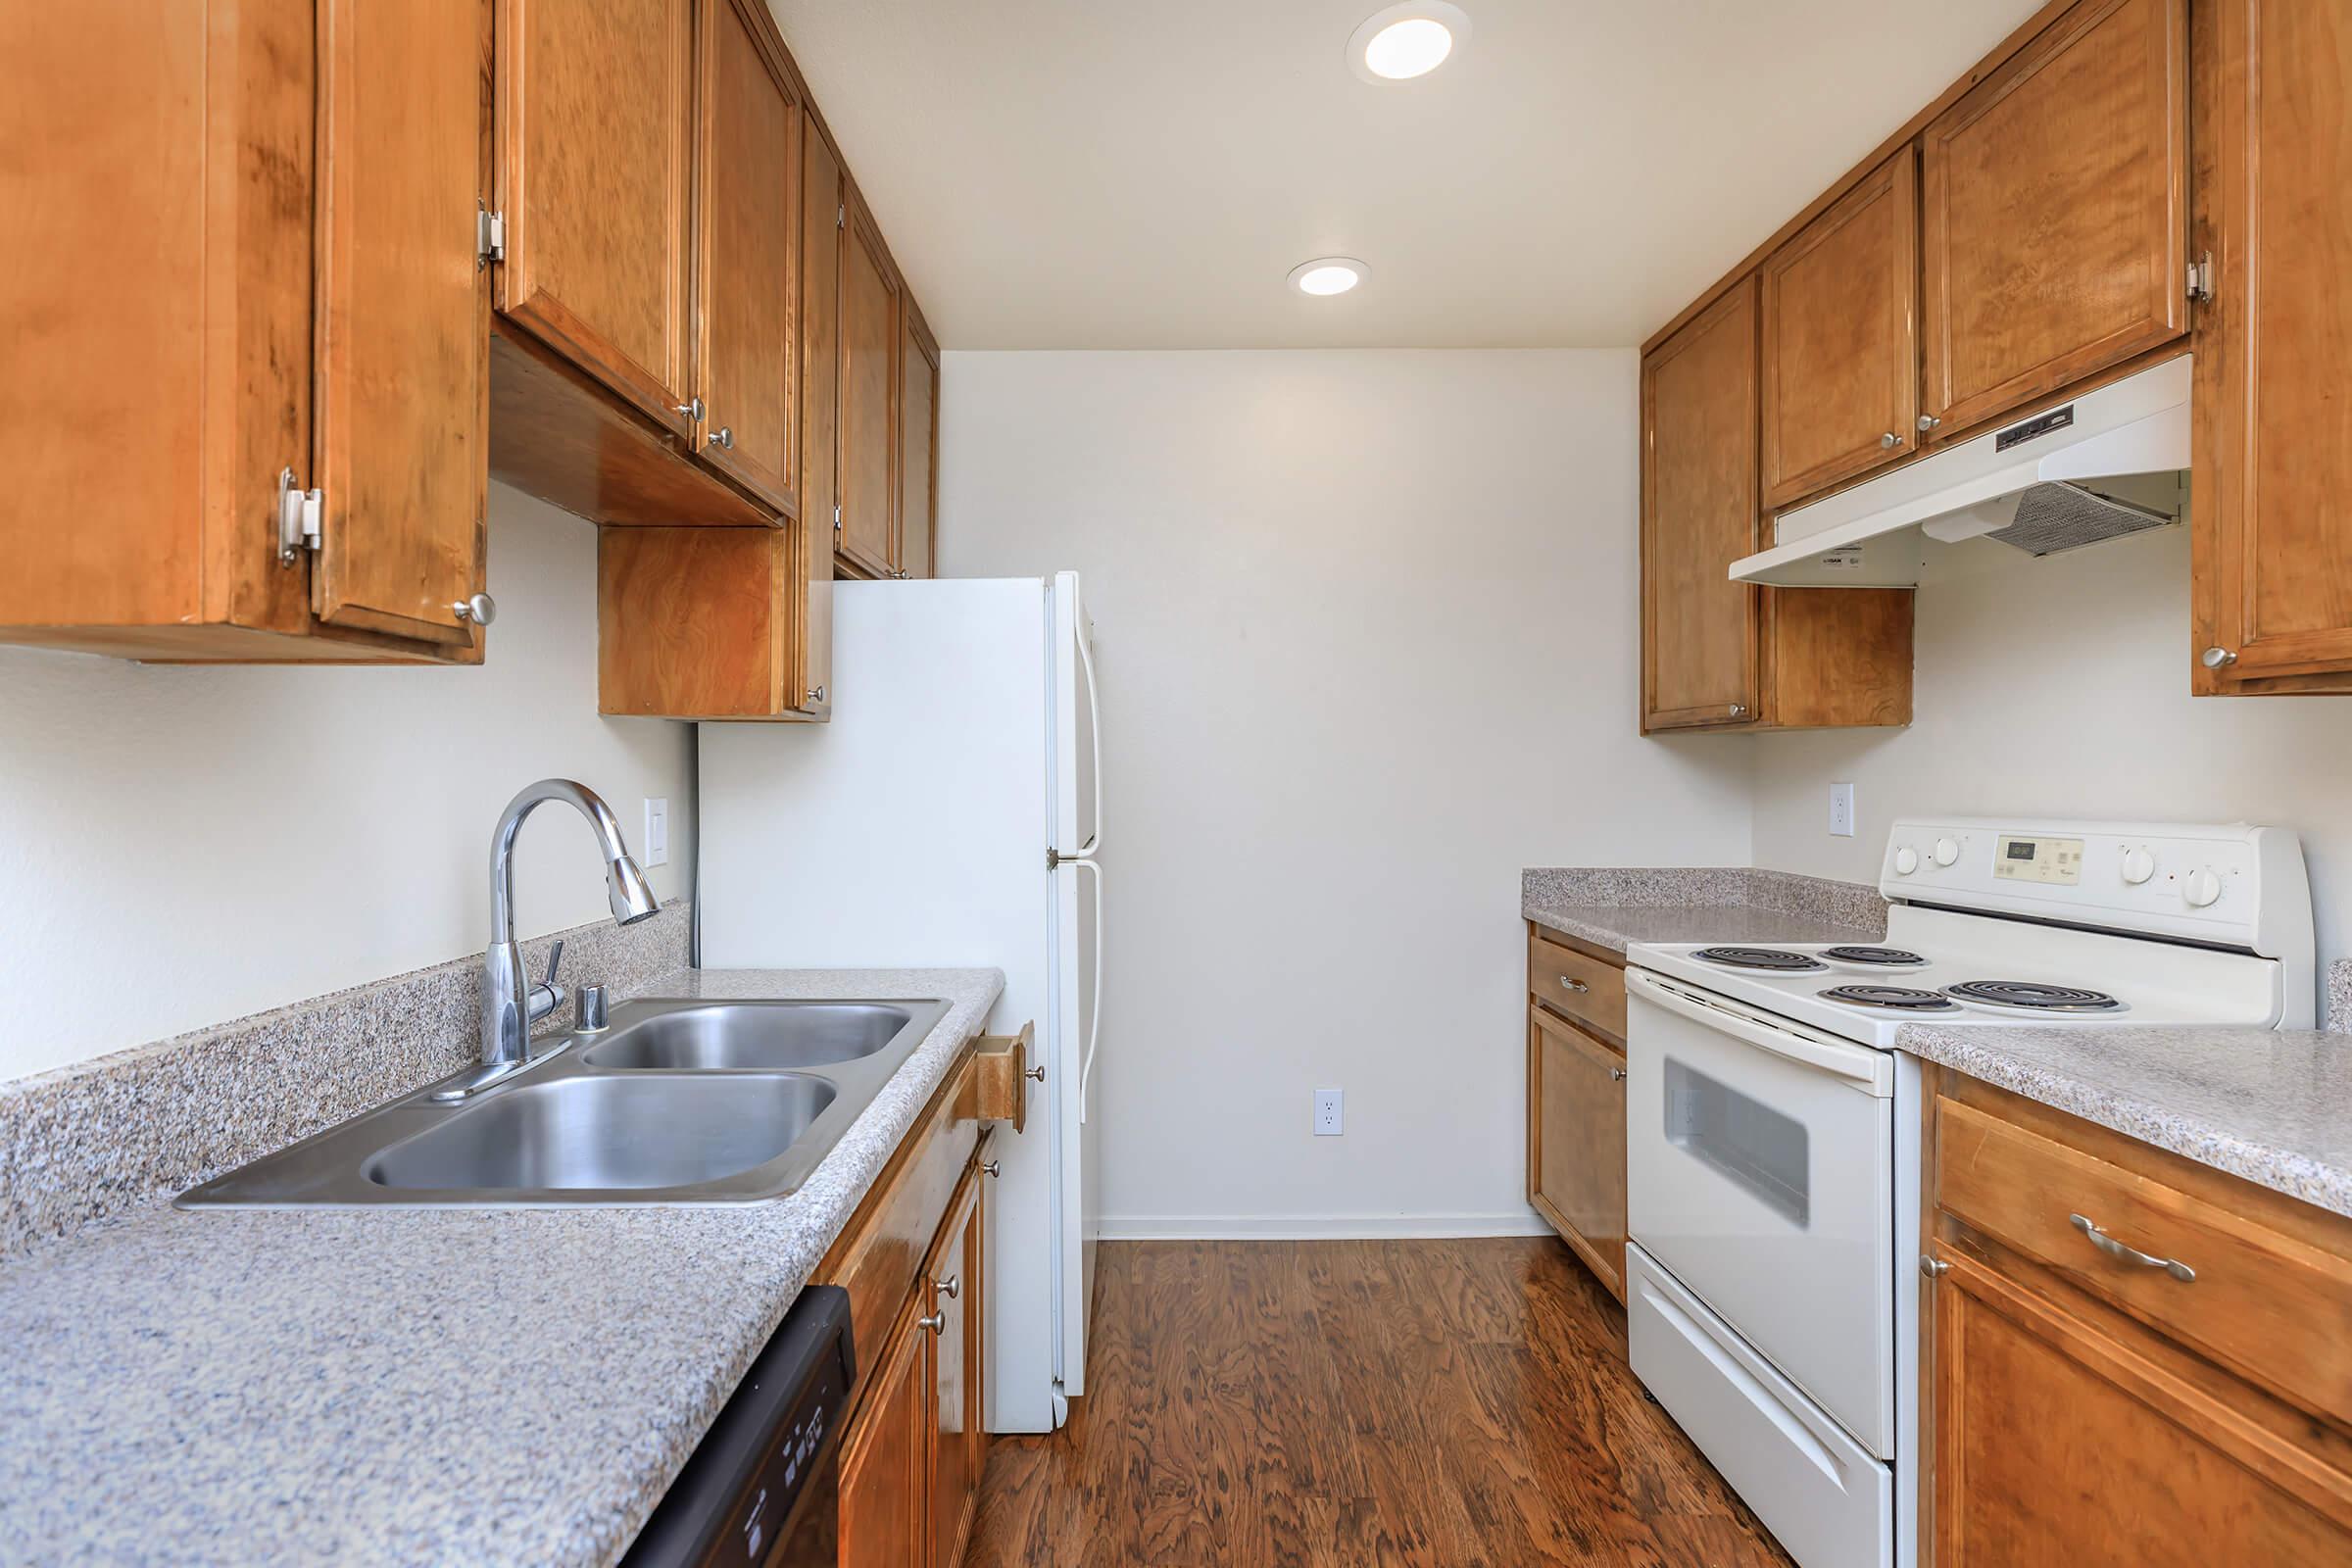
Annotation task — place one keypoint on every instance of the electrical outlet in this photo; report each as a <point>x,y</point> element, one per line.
<point>1327,1114</point>
<point>1842,810</point>
<point>657,832</point>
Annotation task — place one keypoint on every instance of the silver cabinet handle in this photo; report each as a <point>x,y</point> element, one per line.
<point>1934,1268</point>
<point>995,1167</point>
<point>723,436</point>
<point>950,1287</point>
<point>937,1322</point>
<point>1890,440</point>
<point>480,609</point>
<point>1927,423</point>
<point>1616,1075</point>
<point>817,694</point>
<point>692,409</point>
<point>2122,1252</point>
<point>1577,986</point>
<point>2219,658</point>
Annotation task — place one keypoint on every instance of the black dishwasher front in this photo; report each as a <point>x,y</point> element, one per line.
<point>761,1491</point>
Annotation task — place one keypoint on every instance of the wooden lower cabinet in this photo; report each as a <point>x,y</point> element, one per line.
<point>883,1480</point>
<point>1575,1101</point>
<point>959,1446</point>
<point>2082,1408</point>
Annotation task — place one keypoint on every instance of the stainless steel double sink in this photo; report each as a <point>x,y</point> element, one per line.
<point>677,1102</point>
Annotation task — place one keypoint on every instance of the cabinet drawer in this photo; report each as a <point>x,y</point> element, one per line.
<point>2275,1308</point>
<point>887,1241</point>
<point>1587,989</point>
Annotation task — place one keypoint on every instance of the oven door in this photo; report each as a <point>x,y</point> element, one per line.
<point>1760,1171</point>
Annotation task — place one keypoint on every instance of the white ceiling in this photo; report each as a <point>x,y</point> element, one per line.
<point>1126,173</point>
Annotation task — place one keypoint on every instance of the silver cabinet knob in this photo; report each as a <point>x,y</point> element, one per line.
<point>995,1167</point>
<point>817,694</point>
<point>937,1322</point>
<point>692,408</point>
<point>480,609</point>
<point>1038,1072</point>
<point>1934,1268</point>
<point>1738,709</point>
<point>1890,440</point>
<point>950,1287</point>
<point>1927,423</point>
<point>723,436</point>
<point>1616,1075</point>
<point>2219,658</point>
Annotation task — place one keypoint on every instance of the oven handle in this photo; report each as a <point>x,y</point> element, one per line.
<point>1871,1071</point>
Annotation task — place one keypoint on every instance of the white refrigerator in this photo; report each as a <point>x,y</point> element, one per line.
<point>948,816</point>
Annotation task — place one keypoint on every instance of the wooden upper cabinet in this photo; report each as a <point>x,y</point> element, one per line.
<point>2054,212</point>
<point>2273,424</point>
<point>1841,362</point>
<point>918,447</point>
<point>868,411</point>
<point>404,324</point>
<point>1699,513</point>
<point>748,174</point>
<point>825,206</point>
<point>595,152</point>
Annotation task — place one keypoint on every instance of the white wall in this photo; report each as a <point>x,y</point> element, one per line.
<point>1367,649</point>
<point>179,847</point>
<point>2060,686</point>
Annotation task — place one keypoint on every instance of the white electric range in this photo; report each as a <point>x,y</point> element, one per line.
<point>1772,1131</point>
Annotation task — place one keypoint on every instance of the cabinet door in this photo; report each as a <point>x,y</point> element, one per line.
<point>1841,338</point>
<point>1576,1142</point>
<point>886,1464</point>
<point>869,361</point>
<point>593,147</point>
<point>2057,1444</point>
<point>1698,516</point>
<point>2273,424</point>
<point>401,411</point>
<point>823,234</point>
<point>957,1291</point>
<point>2055,210</point>
<point>748,169</point>
<point>918,447</point>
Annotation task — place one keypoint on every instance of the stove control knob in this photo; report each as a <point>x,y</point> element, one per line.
<point>1907,861</point>
<point>1946,851</point>
<point>2138,866</point>
<point>2201,888</point>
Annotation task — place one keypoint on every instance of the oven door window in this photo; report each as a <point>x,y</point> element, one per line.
<point>1745,1140</point>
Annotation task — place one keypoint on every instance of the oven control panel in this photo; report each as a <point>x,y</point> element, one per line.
<point>2235,885</point>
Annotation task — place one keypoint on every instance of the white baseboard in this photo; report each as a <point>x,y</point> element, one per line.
<point>1316,1227</point>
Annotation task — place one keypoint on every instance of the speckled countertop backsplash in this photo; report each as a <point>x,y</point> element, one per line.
<point>1611,907</point>
<point>118,1131</point>
<point>2335,1002</point>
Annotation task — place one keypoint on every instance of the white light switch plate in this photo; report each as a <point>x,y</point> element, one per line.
<point>657,832</point>
<point>1842,810</point>
<point>1328,1122</point>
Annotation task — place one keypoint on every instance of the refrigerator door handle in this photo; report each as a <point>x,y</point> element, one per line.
<point>1094,726</point>
<point>1094,1027</point>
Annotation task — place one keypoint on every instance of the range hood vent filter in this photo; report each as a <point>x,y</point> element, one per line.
<point>2062,516</point>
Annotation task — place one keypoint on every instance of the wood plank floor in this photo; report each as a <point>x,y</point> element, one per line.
<point>1457,1403</point>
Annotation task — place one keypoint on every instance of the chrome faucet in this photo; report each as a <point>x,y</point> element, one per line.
<point>511,1004</point>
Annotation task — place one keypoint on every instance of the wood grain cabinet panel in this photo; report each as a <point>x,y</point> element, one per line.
<point>1840,369</point>
<point>748,235</point>
<point>1576,1142</point>
<point>824,233</point>
<point>869,408</point>
<point>1699,513</point>
<point>885,1463</point>
<point>2054,212</point>
<point>2273,498</point>
<point>916,541</point>
<point>955,1290</point>
<point>595,156</point>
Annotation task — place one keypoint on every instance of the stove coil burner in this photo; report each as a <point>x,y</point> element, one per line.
<point>1883,957</point>
<point>2029,997</point>
<point>1898,998</point>
<point>1776,959</point>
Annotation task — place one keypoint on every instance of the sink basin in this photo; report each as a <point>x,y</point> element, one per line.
<point>683,1100</point>
<point>767,1036</point>
<point>609,1132</point>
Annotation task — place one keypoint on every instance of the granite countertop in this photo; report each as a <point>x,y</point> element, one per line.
<point>1616,906</point>
<point>484,1385</point>
<point>2272,1106</point>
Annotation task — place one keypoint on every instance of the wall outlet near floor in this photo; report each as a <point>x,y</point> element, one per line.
<point>1327,1114</point>
<point>1842,810</point>
<point>657,832</point>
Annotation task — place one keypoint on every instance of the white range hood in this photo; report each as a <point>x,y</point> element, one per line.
<point>2109,462</point>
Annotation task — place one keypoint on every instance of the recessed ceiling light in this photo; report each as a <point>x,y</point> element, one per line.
<point>1329,274</point>
<point>1402,41</point>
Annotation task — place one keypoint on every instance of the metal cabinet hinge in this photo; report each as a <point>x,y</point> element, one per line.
<point>489,236</point>
<point>2200,279</point>
<point>837,517</point>
<point>298,514</point>
<point>841,216</point>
